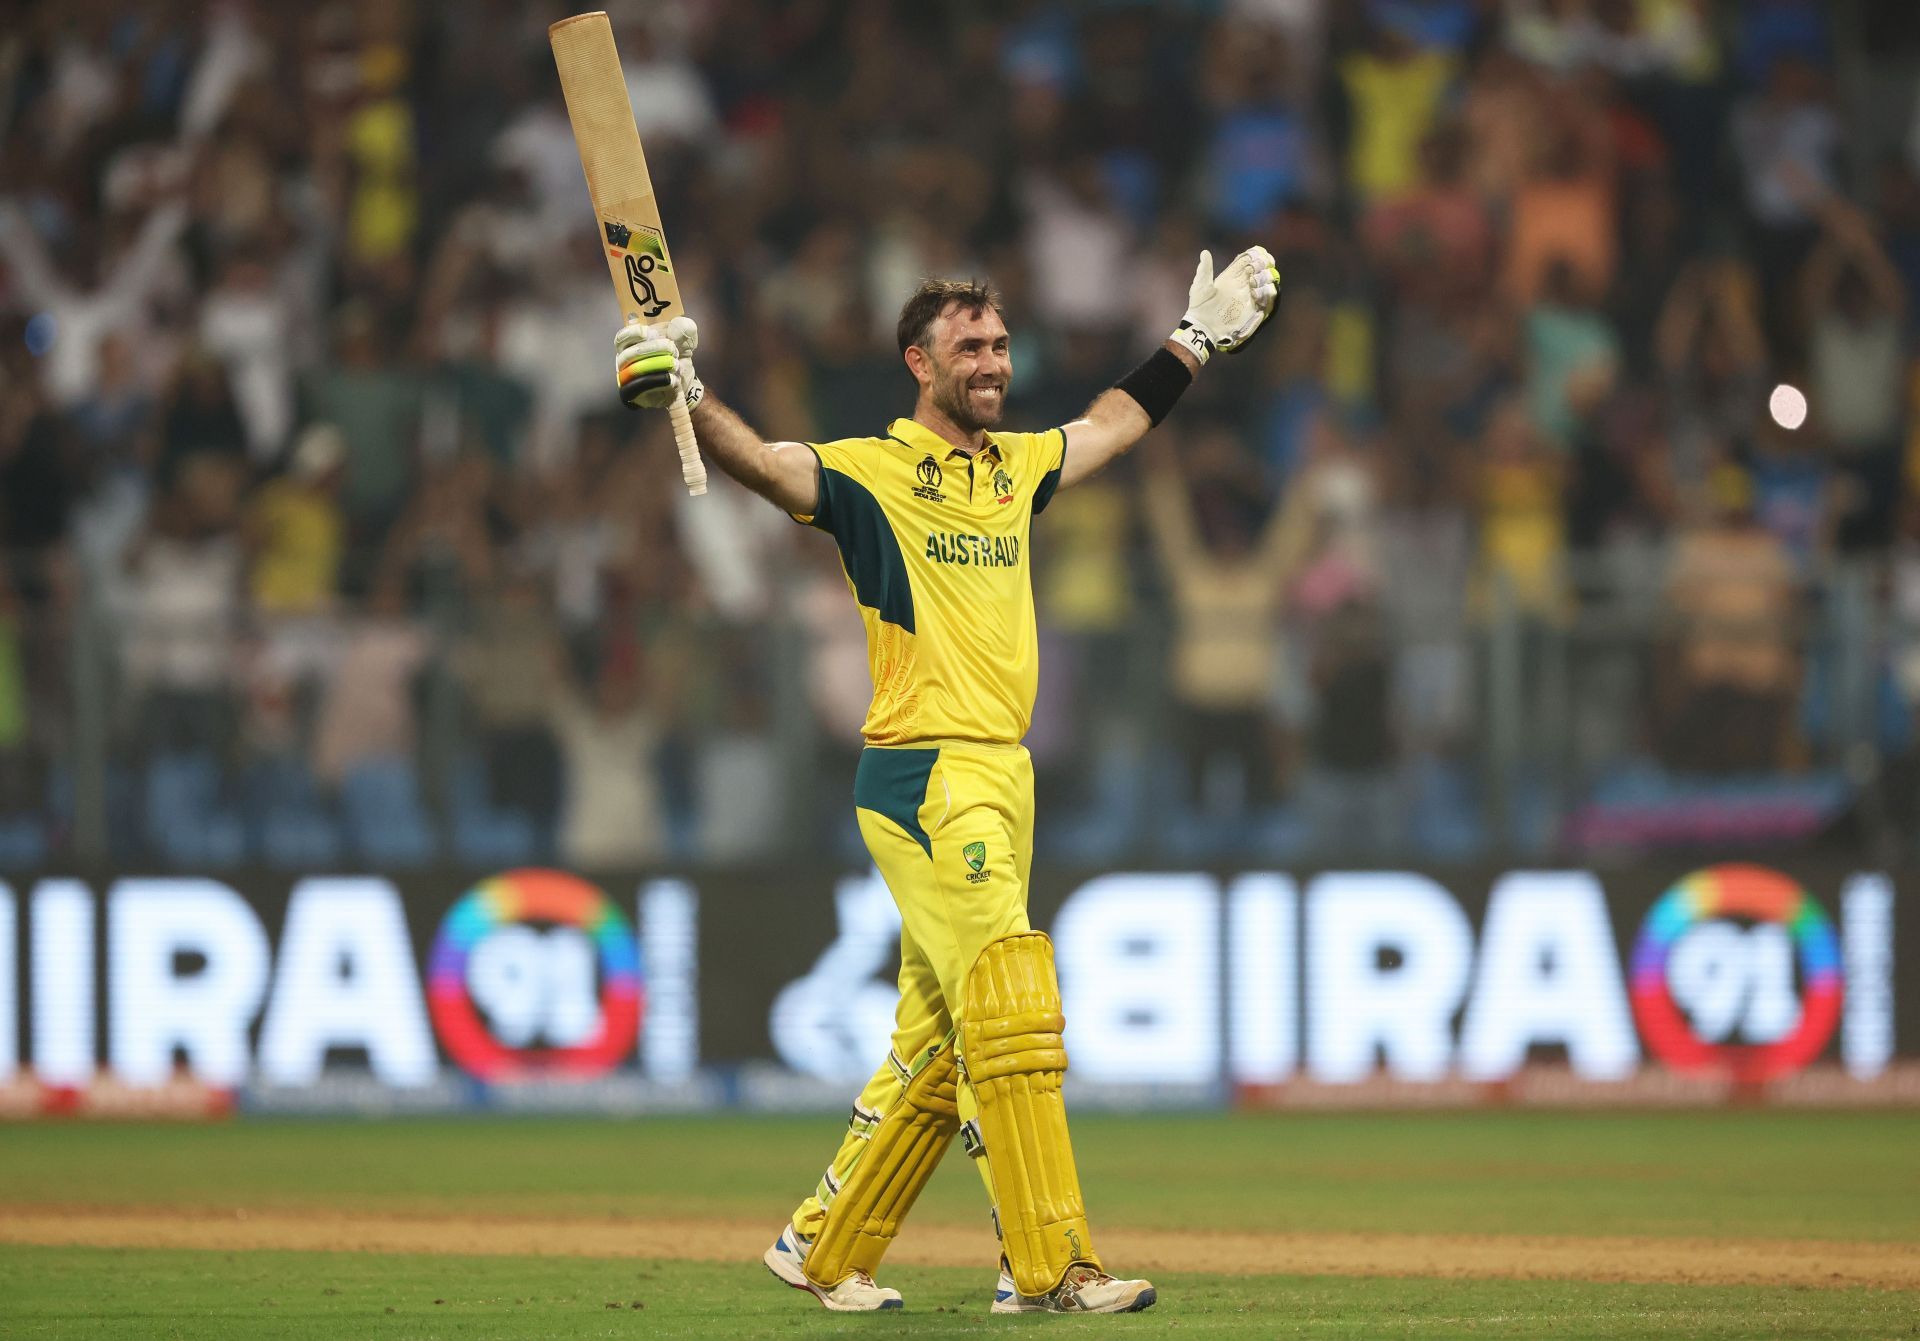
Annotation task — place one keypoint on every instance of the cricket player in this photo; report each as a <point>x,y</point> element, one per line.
<point>932,517</point>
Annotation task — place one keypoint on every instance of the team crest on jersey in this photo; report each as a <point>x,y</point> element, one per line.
<point>1002,487</point>
<point>976,855</point>
<point>929,487</point>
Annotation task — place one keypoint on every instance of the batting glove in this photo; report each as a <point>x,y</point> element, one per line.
<point>653,364</point>
<point>1225,310</point>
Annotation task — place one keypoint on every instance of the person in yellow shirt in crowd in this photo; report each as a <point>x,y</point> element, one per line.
<point>296,529</point>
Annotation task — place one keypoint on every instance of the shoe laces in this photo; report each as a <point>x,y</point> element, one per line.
<point>1080,1275</point>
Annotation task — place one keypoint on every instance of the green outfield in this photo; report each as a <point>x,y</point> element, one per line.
<point>1484,1224</point>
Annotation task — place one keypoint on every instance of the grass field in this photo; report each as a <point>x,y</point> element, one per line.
<point>1749,1224</point>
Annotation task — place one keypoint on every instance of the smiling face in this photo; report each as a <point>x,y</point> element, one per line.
<point>964,365</point>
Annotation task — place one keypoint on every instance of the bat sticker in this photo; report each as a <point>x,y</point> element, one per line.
<point>638,268</point>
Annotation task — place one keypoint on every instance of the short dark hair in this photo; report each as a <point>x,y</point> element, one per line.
<point>931,299</point>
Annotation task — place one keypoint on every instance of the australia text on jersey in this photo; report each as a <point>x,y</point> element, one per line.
<point>985,551</point>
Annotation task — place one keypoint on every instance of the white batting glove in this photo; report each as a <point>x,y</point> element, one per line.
<point>1225,310</point>
<point>653,364</point>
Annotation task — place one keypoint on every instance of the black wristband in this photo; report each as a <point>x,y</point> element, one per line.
<point>1156,384</point>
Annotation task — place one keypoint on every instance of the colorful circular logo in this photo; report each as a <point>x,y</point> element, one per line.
<point>1760,897</point>
<point>515,904</point>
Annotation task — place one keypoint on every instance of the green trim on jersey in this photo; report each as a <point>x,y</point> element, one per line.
<point>1043,492</point>
<point>893,783</point>
<point>850,513</point>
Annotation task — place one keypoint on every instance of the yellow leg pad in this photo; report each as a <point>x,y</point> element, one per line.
<point>881,1186</point>
<point>1015,1060</point>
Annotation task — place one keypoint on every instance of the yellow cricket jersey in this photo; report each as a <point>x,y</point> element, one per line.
<point>934,544</point>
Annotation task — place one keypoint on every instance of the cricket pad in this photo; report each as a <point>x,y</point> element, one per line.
<point>883,1183</point>
<point>1015,1060</point>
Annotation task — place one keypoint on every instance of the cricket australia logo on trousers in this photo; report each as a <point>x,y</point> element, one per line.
<point>976,855</point>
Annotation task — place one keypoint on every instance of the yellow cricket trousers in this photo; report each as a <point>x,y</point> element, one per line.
<point>950,827</point>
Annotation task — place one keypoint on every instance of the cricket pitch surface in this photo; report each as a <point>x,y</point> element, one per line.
<point>1638,1259</point>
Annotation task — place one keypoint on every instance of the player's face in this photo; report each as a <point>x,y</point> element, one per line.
<point>971,367</point>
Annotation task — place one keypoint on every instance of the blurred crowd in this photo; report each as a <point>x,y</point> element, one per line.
<point>1575,484</point>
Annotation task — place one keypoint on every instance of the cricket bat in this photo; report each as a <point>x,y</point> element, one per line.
<point>643,276</point>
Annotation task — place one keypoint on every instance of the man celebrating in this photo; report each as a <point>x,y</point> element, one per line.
<point>932,520</point>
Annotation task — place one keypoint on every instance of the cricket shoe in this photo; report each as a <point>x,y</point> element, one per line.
<point>1084,1289</point>
<point>787,1259</point>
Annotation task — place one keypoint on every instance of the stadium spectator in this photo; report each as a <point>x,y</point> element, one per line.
<point>1731,589</point>
<point>1435,237</point>
<point>1712,358</point>
<point>1077,247</point>
<point>367,715</point>
<point>613,817</point>
<point>1564,208</point>
<point>1225,581</point>
<point>1572,355</point>
<point>201,417</point>
<point>440,553</point>
<point>366,733</point>
<point>1855,316</point>
<point>506,665</point>
<point>1787,139</point>
<point>1347,788</point>
<point>1522,519</point>
<point>1794,491</point>
<point>296,530</point>
<point>180,656</point>
<point>241,320</point>
<point>1393,87</point>
<point>106,279</point>
<point>1260,153</point>
<point>375,403</point>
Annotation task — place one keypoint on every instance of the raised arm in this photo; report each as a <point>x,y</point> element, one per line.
<point>1848,238</point>
<point>1168,509</point>
<point>1117,419</point>
<point>1223,313</point>
<point>140,268</point>
<point>786,474</point>
<point>653,364</point>
<point>39,283</point>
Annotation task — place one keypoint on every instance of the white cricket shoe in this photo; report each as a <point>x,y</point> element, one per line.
<point>1084,1289</point>
<point>787,1259</point>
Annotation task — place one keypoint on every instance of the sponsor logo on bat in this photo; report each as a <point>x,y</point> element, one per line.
<point>643,253</point>
<point>650,301</point>
<point>648,241</point>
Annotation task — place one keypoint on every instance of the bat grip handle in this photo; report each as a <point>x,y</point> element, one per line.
<point>692,469</point>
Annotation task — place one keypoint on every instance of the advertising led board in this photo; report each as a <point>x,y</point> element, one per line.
<point>1187,981</point>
